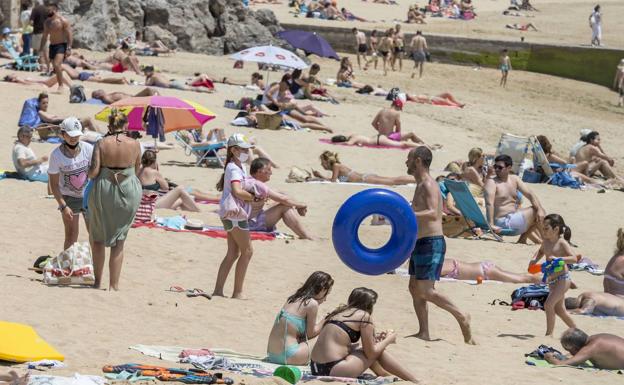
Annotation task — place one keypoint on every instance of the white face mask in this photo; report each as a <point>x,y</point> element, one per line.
<point>243,157</point>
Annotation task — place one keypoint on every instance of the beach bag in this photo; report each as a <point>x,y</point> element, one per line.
<point>564,179</point>
<point>73,266</point>
<point>530,296</point>
<point>77,94</point>
<point>297,175</point>
<point>268,120</point>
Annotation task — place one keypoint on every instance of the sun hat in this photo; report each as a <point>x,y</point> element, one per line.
<point>6,30</point>
<point>71,126</point>
<point>239,140</point>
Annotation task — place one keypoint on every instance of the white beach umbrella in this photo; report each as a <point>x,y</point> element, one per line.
<point>270,55</point>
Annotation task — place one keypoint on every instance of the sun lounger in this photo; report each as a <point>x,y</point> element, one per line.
<point>21,63</point>
<point>203,153</point>
<point>471,212</point>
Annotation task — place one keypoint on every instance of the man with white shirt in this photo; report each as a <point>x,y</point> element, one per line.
<point>26,163</point>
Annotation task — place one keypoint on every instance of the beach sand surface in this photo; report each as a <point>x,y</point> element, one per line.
<point>95,327</point>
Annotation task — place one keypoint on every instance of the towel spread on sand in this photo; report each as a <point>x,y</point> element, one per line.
<point>246,364</point>
<point>328,141</point>
<point>76,379</point>
<point>534,361</point>
<point>412,185</point>
<point>403,272</point>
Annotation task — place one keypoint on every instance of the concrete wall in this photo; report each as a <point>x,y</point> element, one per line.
<point>594,65</point>
<point>10,12</point>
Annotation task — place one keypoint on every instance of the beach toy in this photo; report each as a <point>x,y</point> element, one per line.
<point>20,343</point>
<point>551,267</point>
<point>535,268</point>
<point>479,279</point>
<point>291,374</point>
<point>396,210</point>
<point>85,194</point>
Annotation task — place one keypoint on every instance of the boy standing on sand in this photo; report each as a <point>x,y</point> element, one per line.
<point>505,67</point>
<point>427,258</point>
<point>361,47</point>
<point>57,28</point>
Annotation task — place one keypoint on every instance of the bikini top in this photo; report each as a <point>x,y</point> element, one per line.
<point>354,335</point>
<point>152,187</point>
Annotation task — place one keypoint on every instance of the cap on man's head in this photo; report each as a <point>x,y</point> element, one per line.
<point>239,140</point>
<point>71,126</point>
<point>398,103</point>
<point>6,30</point>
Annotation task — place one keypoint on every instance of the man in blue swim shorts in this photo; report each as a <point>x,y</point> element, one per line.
<point>501,203</point>
<point>427,257</point>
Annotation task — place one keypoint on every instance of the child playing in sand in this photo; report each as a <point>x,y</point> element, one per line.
<point>556,250</point>
<point>505,67</point>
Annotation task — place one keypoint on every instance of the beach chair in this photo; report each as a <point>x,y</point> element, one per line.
<point>21,63</point>
<point>203,153</point>
<point>471,212</point>
<point>517,147</point>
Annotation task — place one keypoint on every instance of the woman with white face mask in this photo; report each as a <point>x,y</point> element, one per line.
<point>234,210</point>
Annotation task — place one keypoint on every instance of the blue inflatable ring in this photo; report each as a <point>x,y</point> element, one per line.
<point>347,222</point>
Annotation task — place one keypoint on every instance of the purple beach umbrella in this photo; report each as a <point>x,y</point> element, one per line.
<point>310,42</point>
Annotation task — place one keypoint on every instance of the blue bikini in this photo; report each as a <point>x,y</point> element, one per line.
<point>289,351</point>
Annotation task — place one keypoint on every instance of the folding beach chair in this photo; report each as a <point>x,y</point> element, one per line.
<point>540,159</point>
<point>517,148</point>
<point>21,63</point>
<point>203,153</point>
<point>471,212</point>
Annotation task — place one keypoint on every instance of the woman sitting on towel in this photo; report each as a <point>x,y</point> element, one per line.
<point>486,270</point>
<point>296,322</point>
<point>170,197</point>
<point>375,140</point>
<point>343,174</point>
<point>334,353</point>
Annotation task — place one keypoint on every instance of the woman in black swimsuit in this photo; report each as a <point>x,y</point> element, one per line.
<point>333,354</point>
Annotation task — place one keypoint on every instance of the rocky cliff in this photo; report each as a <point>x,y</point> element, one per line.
<point>214,27</point>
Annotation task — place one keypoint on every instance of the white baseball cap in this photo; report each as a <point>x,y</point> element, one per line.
<point>585,132</point>
<point>239,140</point>
<point>71,126</point>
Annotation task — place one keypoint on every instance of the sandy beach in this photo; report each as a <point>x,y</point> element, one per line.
<point>94,328</point>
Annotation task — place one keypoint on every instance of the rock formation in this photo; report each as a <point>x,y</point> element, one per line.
<point>214,27</point>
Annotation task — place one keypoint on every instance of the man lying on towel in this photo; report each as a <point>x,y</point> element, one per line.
<point>604,351</point>
<point>596,303</point>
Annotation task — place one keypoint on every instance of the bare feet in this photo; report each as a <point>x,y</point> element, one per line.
<point>238,296</point>
<point>423,335</point>
<point>465,328</point>
<point>218,294</point>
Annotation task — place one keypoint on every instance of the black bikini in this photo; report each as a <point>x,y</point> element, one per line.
<point>324,369</point>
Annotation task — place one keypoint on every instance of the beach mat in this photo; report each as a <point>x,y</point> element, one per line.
<point>209,231</point>
<point>248,364</point>
<point>328,141</point>
<point>533,361</point>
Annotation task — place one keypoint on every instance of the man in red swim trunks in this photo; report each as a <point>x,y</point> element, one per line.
<point>57,28</point>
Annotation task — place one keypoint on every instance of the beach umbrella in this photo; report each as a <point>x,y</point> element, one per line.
<point>269,54</point>
<point>174,113</point>
<point>310,42</point>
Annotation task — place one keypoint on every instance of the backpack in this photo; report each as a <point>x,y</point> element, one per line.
<point>77,94</point>
<point>393,94</point>
<point>527,294</point>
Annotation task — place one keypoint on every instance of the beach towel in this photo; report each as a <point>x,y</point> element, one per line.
<point>30,114</point>
<point>76,379</point>
<point>411,185</point>
<point>176,224</point>
<point>328,141</point>
<point>248,364</point>
<point>207,201</point>
<point>96,102</point>
<point>534,361</point>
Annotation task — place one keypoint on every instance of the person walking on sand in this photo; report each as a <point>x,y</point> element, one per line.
<point>595,23</point>
<point>419,48</point>
<point>58,30</point>
<point>360,47</point>
<point>234,210</point>
<point>67,172</point>
<point>505,66</point>
<point>427,259</point>
<point>114,197</point>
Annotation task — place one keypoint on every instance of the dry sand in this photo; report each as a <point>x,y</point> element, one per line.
<point>559,21</point>
<point>93,328</point>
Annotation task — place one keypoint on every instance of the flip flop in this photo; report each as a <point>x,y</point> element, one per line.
<point>197,293</point>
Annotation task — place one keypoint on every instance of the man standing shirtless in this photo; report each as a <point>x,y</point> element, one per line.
<point>427,258</point>
<point>387,122</point>
<point>501,197</point>
<point>360,47</point>
<point>57,28</point>
<point>419,48</point>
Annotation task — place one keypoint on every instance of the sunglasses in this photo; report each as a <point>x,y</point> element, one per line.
<point>498,168</point>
